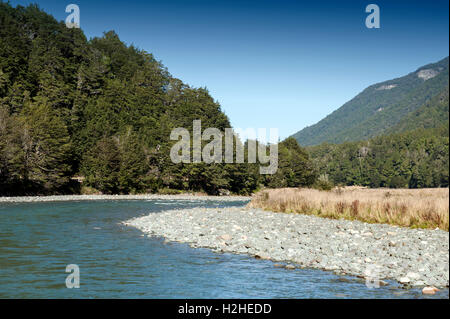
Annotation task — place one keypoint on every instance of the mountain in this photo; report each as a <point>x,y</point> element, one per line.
<point>434,113</point>
<point>387,107</point>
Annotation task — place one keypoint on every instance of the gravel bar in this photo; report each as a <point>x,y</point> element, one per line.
<point>413,257</point>
<point>62,198</point>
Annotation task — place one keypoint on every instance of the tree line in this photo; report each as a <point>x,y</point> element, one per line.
<point>412,159</point>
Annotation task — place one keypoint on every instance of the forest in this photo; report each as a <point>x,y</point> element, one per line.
<point>412,159</point>
<point>414,154</point>
<point>100,112</point>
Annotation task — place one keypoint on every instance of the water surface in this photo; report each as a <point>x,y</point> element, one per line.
<point>38,241</point>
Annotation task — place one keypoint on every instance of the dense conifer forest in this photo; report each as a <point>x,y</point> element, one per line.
<point>413,159</point>
<point>101,112</point>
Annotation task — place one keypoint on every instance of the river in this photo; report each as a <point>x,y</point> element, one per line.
<point>38,241</point>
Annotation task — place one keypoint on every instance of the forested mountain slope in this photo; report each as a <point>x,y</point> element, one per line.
<point>415,159</point>
<point>381,108</point>
<point>102,112</point>
<point>432,114</point>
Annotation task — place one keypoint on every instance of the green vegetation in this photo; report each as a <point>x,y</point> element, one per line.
<point>294,167</point>
<point>407,120</point>
<point>433,114</point>
<point>414,159</point>
<point>102,110</point>
<point>383,108</point>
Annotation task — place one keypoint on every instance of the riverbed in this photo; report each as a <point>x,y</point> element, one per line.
<point>412,257</point>
<point>39,239</point>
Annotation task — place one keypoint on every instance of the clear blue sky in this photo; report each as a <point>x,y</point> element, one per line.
<point>284,64</point>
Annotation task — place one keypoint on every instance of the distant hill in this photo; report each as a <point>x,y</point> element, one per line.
<point>419,99</point>
<point>432,114</point>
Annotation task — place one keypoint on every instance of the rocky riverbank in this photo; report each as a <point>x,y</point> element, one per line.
<point>413,257</point>
<point>61,198</point>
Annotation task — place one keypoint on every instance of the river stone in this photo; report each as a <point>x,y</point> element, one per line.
<point>413,275</point>
<point>309,241</point>
<point>429,290</point>
<point>404,280</point>
<point>289,267</point>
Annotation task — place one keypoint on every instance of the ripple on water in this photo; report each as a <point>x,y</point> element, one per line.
<point>38,240</point>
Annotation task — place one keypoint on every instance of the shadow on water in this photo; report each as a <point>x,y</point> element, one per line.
<point>38,241</point>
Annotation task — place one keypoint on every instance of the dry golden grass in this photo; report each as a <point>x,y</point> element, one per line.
<point>416,208</point>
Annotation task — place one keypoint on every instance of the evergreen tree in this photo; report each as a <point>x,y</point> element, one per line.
<point>294,167</point>
<point>46,146</point>
<point>101,166</point>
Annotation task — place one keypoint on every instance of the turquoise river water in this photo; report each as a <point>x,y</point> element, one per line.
<point>38,241</point>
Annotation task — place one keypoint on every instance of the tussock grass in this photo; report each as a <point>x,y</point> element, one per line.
<point>415,208</point>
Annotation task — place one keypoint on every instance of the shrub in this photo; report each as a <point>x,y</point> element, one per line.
<point>323,183</point>
<point>169,191</point>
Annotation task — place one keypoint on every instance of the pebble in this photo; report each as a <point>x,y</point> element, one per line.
<point>289,267</point>
<point>309,241</point>
<point>60,198</point>
<point>413,275</point>
<point>404,280</point>
<point>429,290</point>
